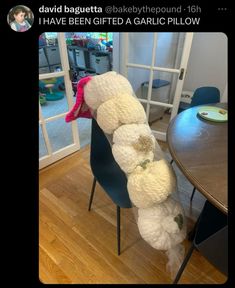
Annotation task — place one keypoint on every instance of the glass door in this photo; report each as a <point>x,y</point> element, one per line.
<point>57,138</point>
<point>64,59</point>
<point>155,64</point>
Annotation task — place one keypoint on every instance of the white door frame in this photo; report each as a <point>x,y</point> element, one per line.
<point>65,151</point>
<point>116,52</point>
<point>124,65</point>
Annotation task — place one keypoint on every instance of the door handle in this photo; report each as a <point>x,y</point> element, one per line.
<point>181,76</point>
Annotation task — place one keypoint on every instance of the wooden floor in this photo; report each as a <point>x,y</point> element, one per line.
<point>161,124</point>
<point>77,246</point>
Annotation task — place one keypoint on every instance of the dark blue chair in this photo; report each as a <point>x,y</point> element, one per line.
<point>108,174</point>
<point>211,239</point>
<point>205,95</point>
<point>201,96</point>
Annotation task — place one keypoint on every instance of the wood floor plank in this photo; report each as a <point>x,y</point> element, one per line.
<point>77,246</point>
<point>72,266</point>
<point>131,256</point>
<point>54,271</point>
<point>58,210</point>
<point>87,254</point>
<point>45,276</point>
<point>112,258</point>
<point>67,261</point>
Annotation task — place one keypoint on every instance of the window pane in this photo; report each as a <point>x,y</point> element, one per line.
<point>53,98</point>
<point>59,133</point>
<point>84,130</point>
<point>169,49</point>
<point>140,48</point>
<point>164,85</point>
<point>163,90</point>
<point>49,55</point>
<point>159,118</point>
<point>137,77</point>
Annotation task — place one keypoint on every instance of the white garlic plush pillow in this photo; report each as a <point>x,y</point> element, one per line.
<point>104,87</point>
<point>133,144</point>
<point>151,183</point>
<point>123,109</point>
<point>162,225</point>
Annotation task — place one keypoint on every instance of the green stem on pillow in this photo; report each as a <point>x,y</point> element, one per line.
<point>179,220</point>
<point>144,163</point>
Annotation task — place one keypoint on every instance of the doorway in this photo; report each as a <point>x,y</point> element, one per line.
<point>65,58</point>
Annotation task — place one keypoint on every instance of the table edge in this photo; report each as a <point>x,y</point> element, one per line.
<point>190,178</point>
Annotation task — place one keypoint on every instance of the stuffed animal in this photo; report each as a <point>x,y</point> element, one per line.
<point>151,180</point>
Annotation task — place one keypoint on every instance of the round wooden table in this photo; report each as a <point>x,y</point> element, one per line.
<point>199,148</point>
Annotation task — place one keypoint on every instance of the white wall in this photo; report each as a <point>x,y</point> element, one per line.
<point>207,64</point>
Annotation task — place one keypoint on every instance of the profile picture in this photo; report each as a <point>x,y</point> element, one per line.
<point>20,18</point>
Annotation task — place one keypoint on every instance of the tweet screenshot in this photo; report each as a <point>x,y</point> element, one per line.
<point>127,112</point>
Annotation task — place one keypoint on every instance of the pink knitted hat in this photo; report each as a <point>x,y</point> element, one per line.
<point>80,108</point>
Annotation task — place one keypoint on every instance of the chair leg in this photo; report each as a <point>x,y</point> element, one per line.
<point>182,267</point>
<point>172,161</point>
<point>191,198</point>
<point>92,193</point>
<point>118,230</point>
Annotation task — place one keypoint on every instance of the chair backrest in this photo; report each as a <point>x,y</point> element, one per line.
<point>211,237</point>
<point>100,148</point>
<point>205,95</point>
<point>106,170</point>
